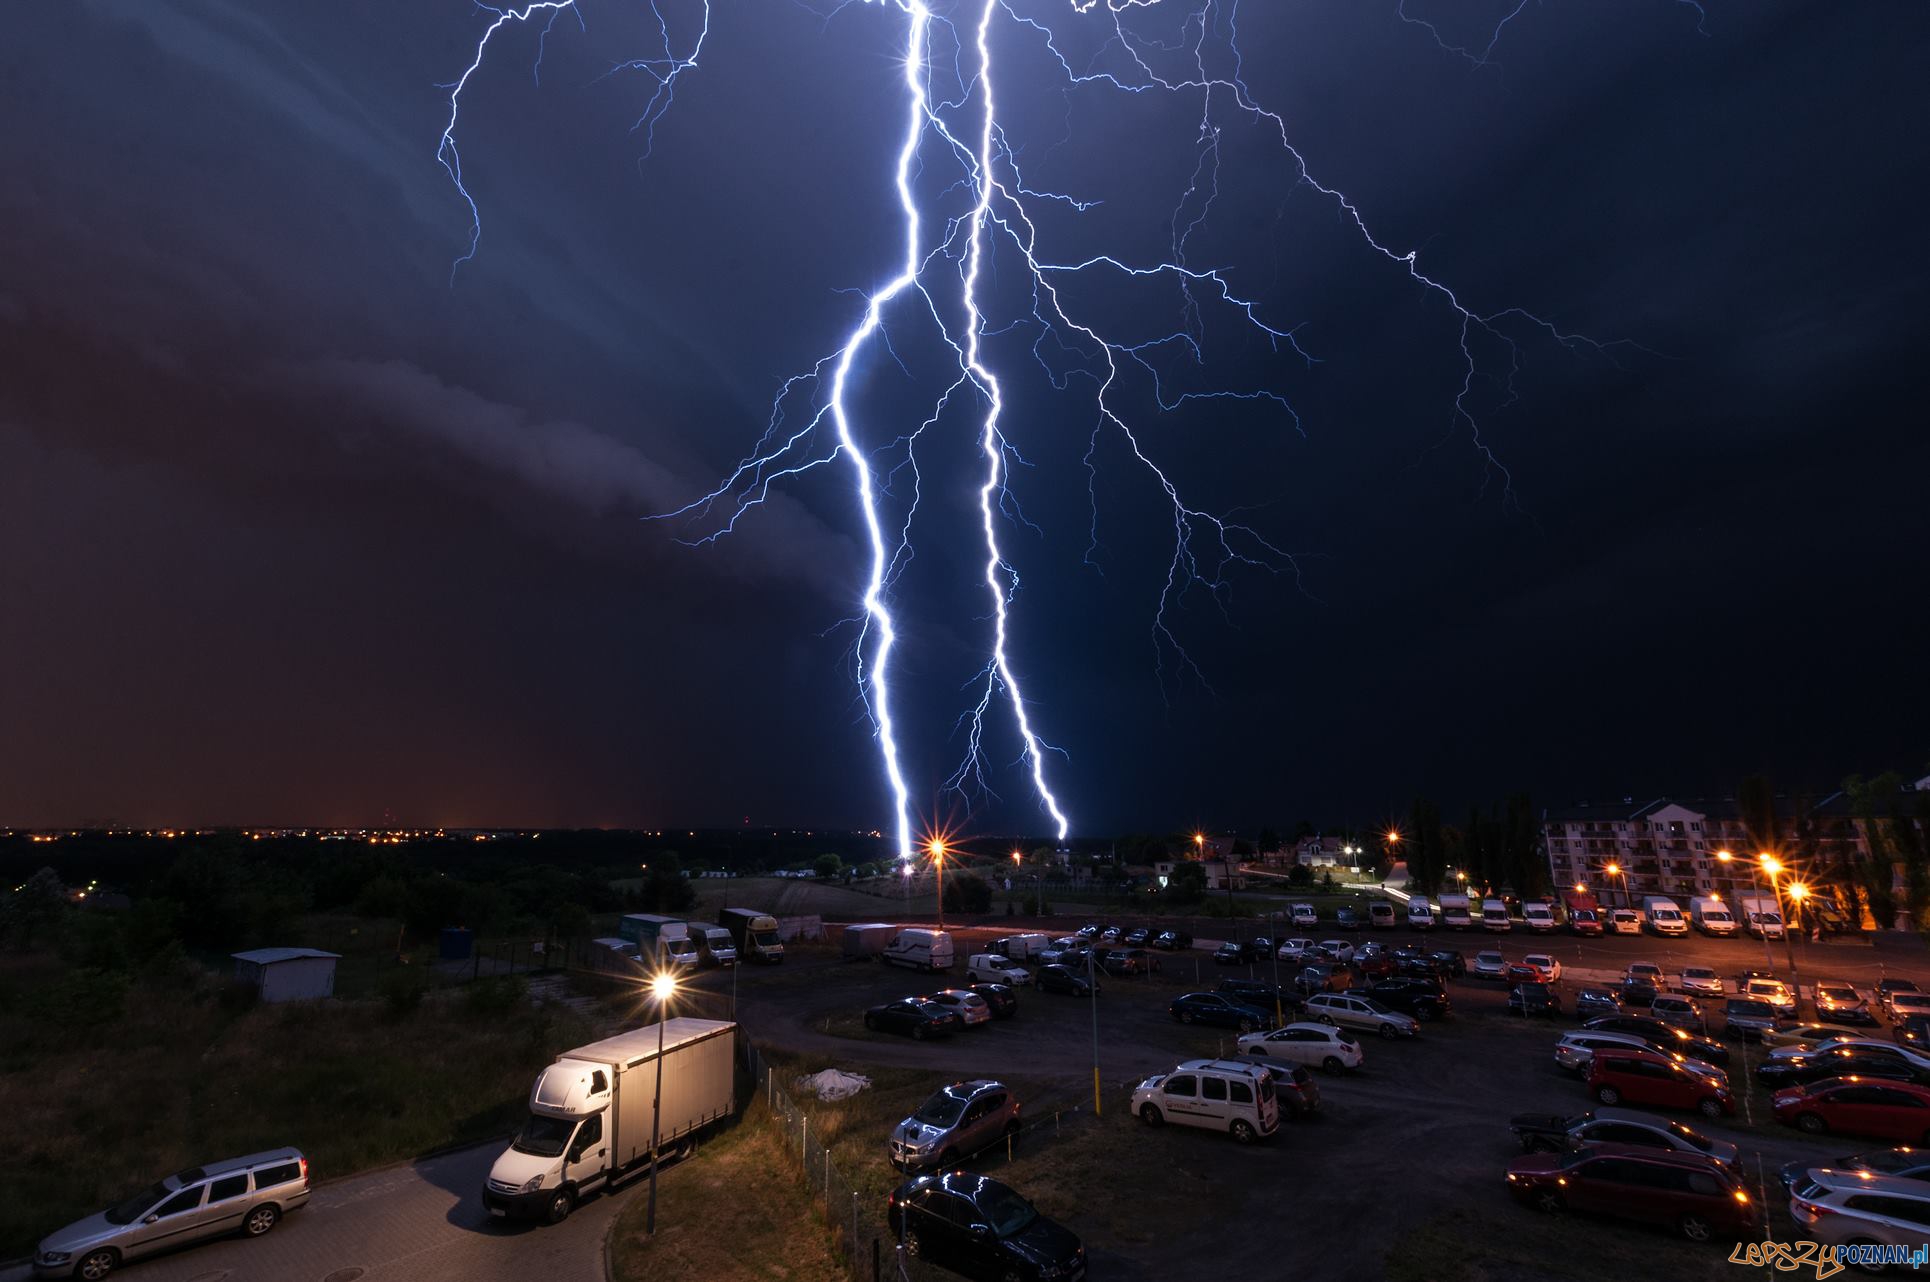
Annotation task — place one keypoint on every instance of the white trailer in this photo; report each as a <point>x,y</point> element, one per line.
<point>591,1114</point>
<point>867,939</point>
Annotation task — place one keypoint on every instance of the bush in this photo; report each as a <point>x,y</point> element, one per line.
<point>402,991</point>
<point>238,996</point>
<point>82,997</point>
<point>967,892</point>
<point>495,996</point>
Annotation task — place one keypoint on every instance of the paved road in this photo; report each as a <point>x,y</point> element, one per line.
<point>418,1223</point>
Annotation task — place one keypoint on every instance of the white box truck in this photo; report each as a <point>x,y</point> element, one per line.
<point>920,949</point>
<point>1664,916</point>
<point>865,940</point>
<point>662,942</point>
<point>1761,915</point>
<point>1455,914</point>
<point>1420,913</point>
<point>1019,947</point>
<point>1494,916</point>
<point>1711,916</point>
<point>1538,915</point>
<point>591,1114</point>
<point>755,933</point>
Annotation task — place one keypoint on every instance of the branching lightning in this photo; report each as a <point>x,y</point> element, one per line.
<point>956,233</point>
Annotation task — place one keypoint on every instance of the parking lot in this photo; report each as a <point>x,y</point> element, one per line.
<point>1405,1159</point>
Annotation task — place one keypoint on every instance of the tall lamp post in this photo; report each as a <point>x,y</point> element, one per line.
<point>938,866</point>
<point>1615,870</point>
<point>662,987</point>
<point>1725,857</point>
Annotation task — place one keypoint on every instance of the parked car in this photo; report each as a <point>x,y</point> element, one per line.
<point>1137,937</point>
<point>1647,973</point>
<point>1838,1061</point>
<point>1232,953</point>
<point>1802,1037</point>
<point>1700,1200</point>
<point>1173,940</point>
<point>1888,1110</point>
<point>1129,961</point>
<point>1648,1077</point>
<point>1218,1010</point>
<point>971,1009</point>
<point>1594,1002</point>
<point>1489,966</point>
<point>1349,919</point>
<point>956,1122</point>
<point>1624,921</point>
<point>1233,1096</point>
<point>1380,915</point>
<point>1773,991</point>
<point>1889,986</point>
<point>245,1195</point>
<point>1295,1091</point>
<point>1338,949</point>
<point>915,1017</point>
<point>1450,962</point>
<point>1314,1045</point>
<point>1553,1133</point>
<point>1748,1018</point>
<point>1665,1037</point>
<point>1534,999</point>
<point>1861,1208</point>
<point>1913,1032</point>
<point>1000,997</point>
<point>974,1225</point>
<point>1063,979</point>
<point>1294,950</point>
<point>1904,1163</point>
<point>1547,969</point>
<point>1373,961</point>
<point>993,968</point>
<point>1672,1008</point>
<point>1701,981</point>
<point>1323,979</point>
<point>1904,1005</point>
<point>1268,997</point>
<point>1350,1011</point>
<point>1863,1041</point>
<point>1838,1002</point>
<point>1089,931</point>
<point>1576,1050</point>
<point>1637,993</point>
<point>1424,999</point>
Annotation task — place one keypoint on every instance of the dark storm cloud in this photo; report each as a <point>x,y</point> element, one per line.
<point>294,528</point>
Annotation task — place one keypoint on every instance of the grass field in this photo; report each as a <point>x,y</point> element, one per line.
<point>106,1090</point>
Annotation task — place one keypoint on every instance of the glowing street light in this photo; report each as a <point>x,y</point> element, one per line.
<point>1615,870</point>
<point>937,849</point>
<point>663,987</point>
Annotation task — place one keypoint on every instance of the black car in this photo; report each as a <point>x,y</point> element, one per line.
<point>1665,1037</point>
<point>1450,962</point>
<point>1349,919</point>
<point>1128,961</point>
<point>1534,999</point>
<point>1000,997</point>
<point>1913,1030</point>
<point>1089,931</point>
<point>1220,1010</point>
<point>1421,998</point>
<point>1062,979</point>
<point>1269,997</point>
<point>1905,1163</point>
<point>1838,1061</point>
<point>1262,947</point>
<point>913,1016</point>
<point>1137,937</point>
<point>976,1226</point>
<point>1231,953</point>
<point>1172,940</point>
<point>1635,992</point>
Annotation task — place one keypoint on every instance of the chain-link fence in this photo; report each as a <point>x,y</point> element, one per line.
<point>857,1215</point>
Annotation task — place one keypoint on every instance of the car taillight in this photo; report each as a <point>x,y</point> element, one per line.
<point>304,1162</point>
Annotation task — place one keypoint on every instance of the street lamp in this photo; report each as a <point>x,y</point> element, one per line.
<point>663,987</point>
<point>1755,883</point>
<point>938,865</point>
<point>1615,870</point>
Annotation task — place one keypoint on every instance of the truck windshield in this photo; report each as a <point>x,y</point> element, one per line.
<point>544,1136</point>
<point>764,938</point>
<point>678,947</point>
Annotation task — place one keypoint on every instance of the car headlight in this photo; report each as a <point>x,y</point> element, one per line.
<point>532,1184</point>
<point>55,1257</point>
<point>1052,1271</point>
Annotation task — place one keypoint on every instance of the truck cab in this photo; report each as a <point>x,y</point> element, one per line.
<point>755,933</point>
<point>715,945</point>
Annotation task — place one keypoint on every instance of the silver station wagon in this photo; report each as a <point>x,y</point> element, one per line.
<point>245,1195</point>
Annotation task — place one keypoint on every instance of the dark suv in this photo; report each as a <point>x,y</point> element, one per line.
<point>983,1229</point>
<point>1253,992</point>
<point>1421,998</point>
<point>960,1120</point>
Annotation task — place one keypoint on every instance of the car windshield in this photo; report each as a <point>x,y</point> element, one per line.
<point>1684,1133</point>
<point>544,1136</point>
<point>942,1109</point>
<point>1749,1008</point>
<point>1889,1159</point>
<point>1005,1211</point>
<point>130,1210</point>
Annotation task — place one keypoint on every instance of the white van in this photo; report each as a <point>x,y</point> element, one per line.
<point>1711,916</point>
<point>1214,1094</point>
<point>991,968</point>
<point>1494,916</point>
<point>1664,917</point>
<point>920,949</point>
<point>1420,913</point>
<point>1302,915</point>
<point>1019,947</point>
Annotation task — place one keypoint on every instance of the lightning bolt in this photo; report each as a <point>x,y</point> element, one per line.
<point>955,234</point>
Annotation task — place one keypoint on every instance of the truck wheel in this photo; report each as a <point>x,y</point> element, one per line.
<point>1151,1115</point>
<point>561,1203</point>
<point>97,1264</point>
<point>260,1220</point>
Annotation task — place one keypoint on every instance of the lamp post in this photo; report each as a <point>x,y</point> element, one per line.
<point>1774,868</point>
<point>662,987</point>
<point>938,866</point>
<point>1725,857</point>
<point>1615,870</point>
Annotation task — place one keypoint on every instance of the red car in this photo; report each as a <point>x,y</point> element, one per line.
<point>1667,1081</point>
<point>1693,1195</point>
<point>1858,1106</point>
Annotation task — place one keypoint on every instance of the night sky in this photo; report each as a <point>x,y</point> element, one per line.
<point>292,529</point>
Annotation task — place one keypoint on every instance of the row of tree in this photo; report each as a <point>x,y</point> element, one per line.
<point>1499,848</point>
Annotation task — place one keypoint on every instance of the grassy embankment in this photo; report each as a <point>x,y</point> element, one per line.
<point>108,1084</point>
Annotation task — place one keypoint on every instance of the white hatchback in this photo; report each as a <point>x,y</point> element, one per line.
<point>1314,1045</point>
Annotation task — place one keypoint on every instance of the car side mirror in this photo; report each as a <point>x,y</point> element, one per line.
<point>149,1219</point>
<point>983,1232</point>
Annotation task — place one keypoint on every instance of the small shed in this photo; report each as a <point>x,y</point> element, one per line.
<point>288,974</point>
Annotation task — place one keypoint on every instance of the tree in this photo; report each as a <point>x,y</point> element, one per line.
<point>1756,803</point>
<point>1874,876</point>
<point>827,866</point>
<point>1424,846</point>
<point>967,892</point>
<point>1299,874</point>
<point>31,910</point>
<point>1269,841</point>
<point>1242,848</point>
<point>1186,884</point>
